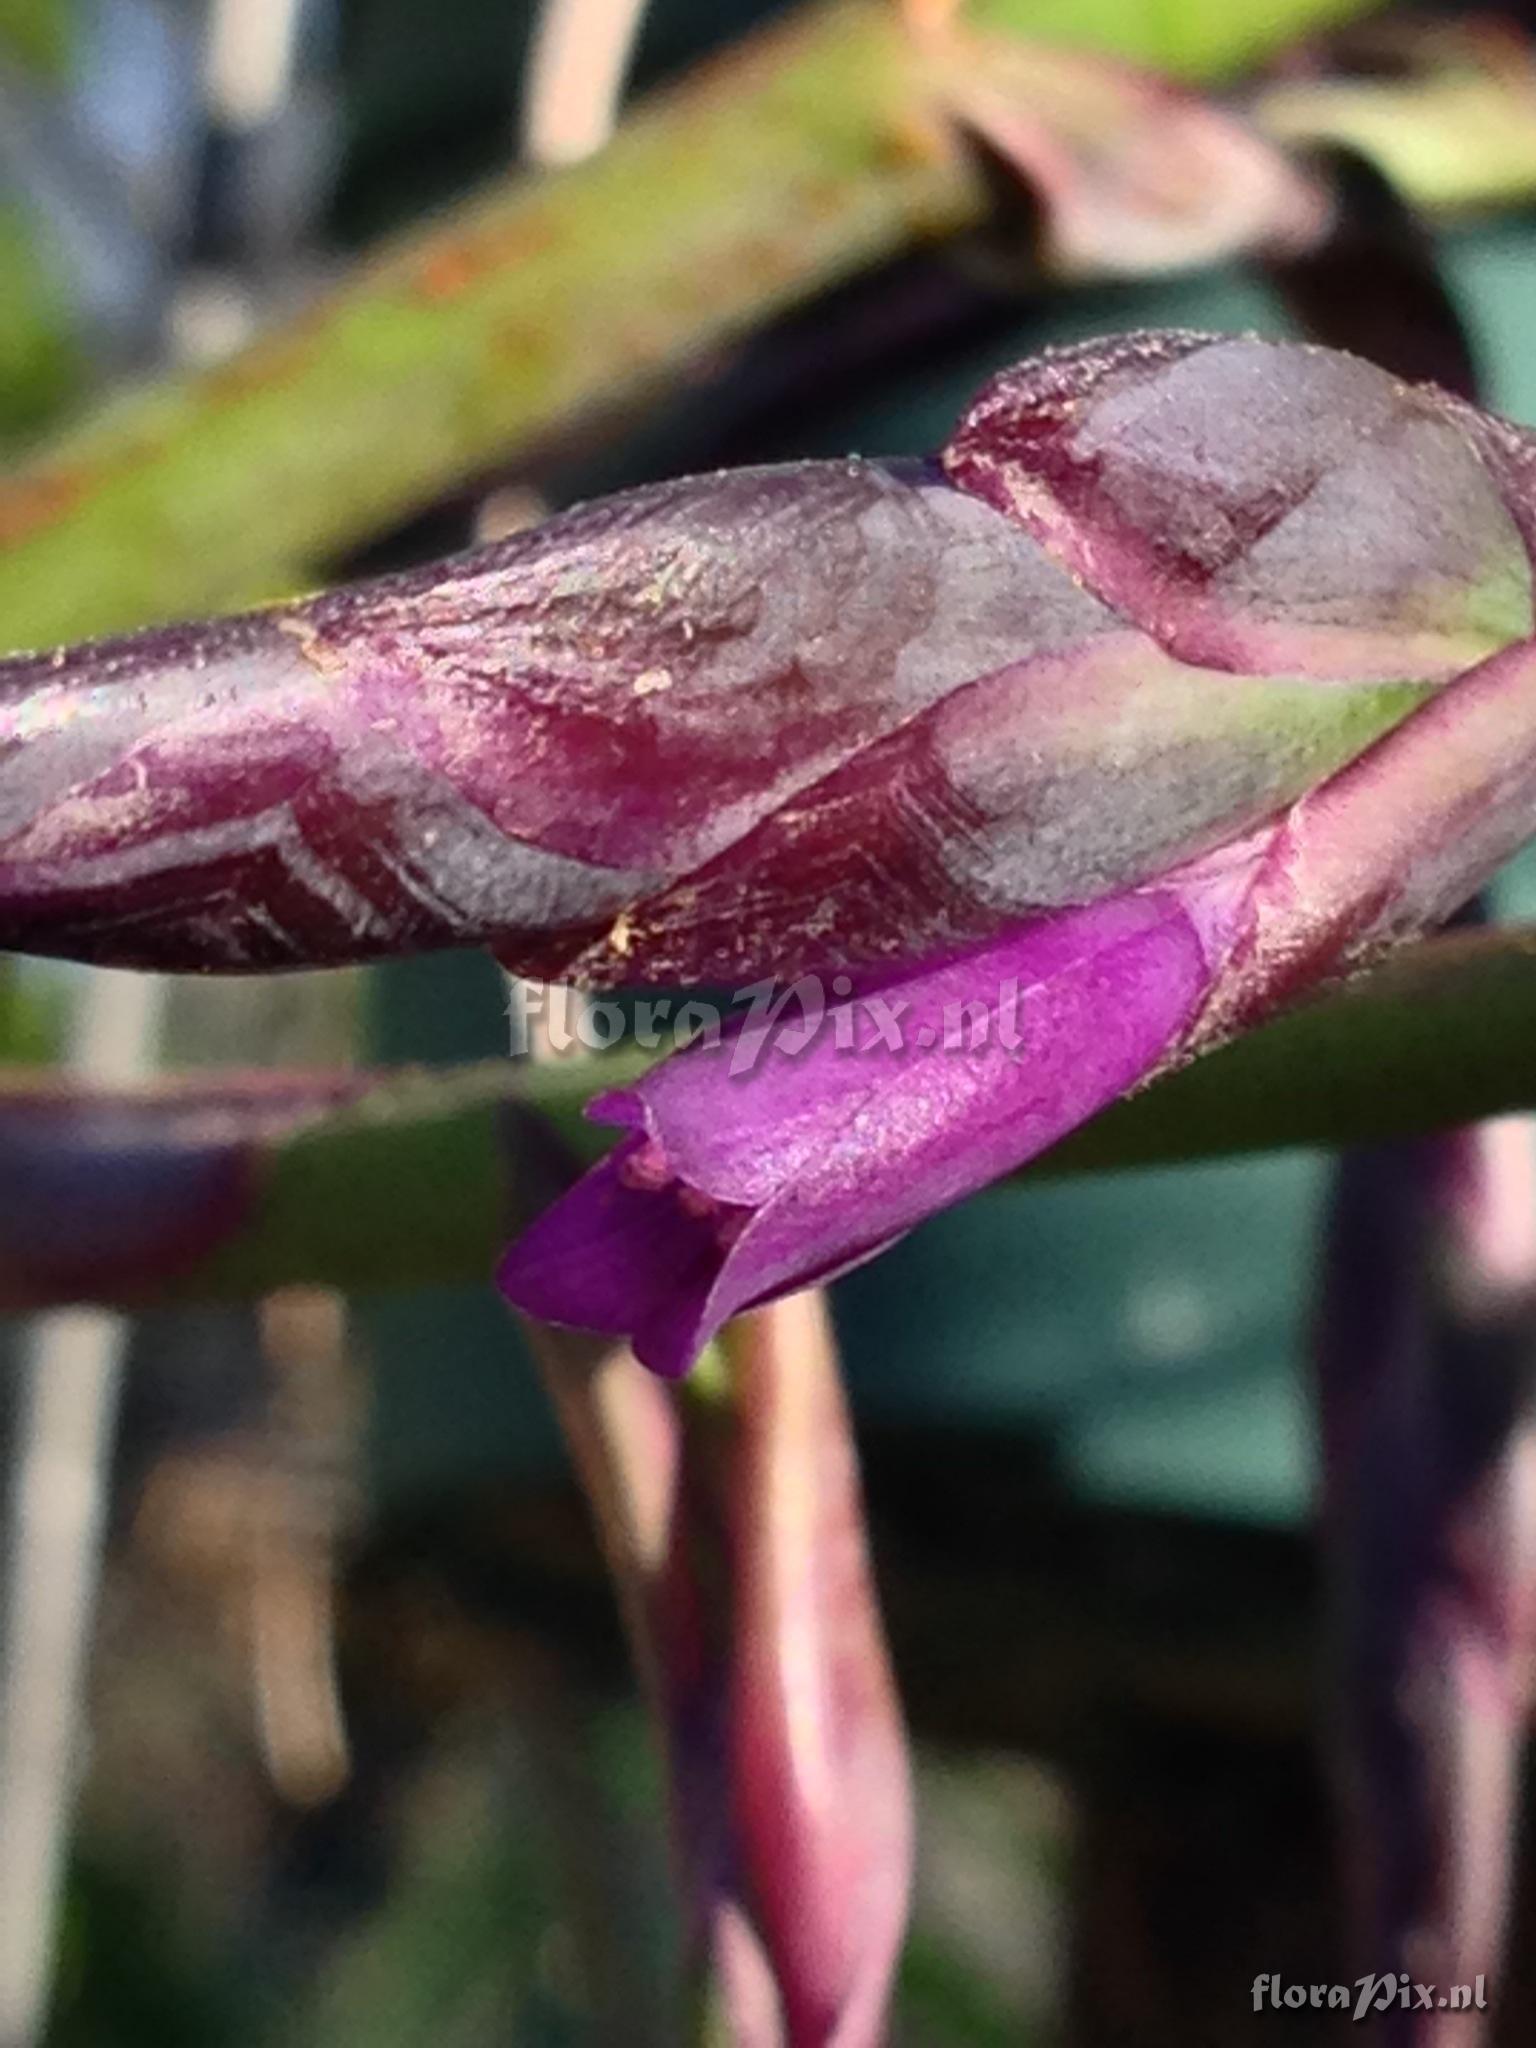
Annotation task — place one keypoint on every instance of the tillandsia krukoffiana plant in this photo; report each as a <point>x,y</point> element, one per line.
<point>1192,671</point>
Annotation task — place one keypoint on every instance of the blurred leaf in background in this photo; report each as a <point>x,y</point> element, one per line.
<point>36,33</point>
<point>1209,39</point>
<point>38,361</point>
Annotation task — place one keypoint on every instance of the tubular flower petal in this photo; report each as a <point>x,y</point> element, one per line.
<point>799,1148</point>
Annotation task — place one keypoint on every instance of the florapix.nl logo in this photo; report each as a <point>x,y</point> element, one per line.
<point>772,1018</point>
<point>1381,1992</point>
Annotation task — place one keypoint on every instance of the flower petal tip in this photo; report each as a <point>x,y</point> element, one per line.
<point>622,1256</point>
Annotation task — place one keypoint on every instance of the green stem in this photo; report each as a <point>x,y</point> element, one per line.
<point>537,305</point>
<point>801,156</point>
<point>415,1183</point>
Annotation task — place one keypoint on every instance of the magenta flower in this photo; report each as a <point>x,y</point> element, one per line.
<point>751,1169</point>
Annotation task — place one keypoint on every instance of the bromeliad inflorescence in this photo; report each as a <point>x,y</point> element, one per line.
<point>1192,671</point>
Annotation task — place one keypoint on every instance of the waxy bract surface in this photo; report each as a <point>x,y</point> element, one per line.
<point>788,720</point>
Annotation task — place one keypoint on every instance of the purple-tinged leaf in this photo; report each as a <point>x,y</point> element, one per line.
<point>1426,1342</point>
<point>109,1196</point>
<point>1130,174</point>
<point>734,1530</point>
<point>819,1773</point>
